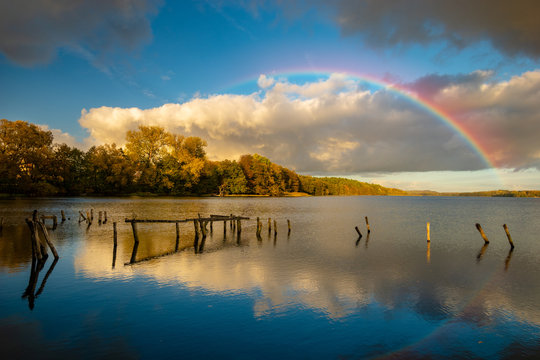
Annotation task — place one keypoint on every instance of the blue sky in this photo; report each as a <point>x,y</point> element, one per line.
<point>195,67</point>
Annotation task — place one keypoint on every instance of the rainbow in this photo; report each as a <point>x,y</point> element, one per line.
<point>424,104</point>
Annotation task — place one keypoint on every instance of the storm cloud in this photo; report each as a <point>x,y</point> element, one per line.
<point>512,27</point>
<point>32,32</point>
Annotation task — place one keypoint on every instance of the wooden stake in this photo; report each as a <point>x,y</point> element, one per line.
<point>508,236</point>
<point>63,215</point>
<point>177,236</point>
<point>482,233</point>
<point>47,239</point>
<point>99,217</point>
<point>135,235</point>
<point>115,234</point>
<point>258,232</point>
<point>289,225</point>
<point>224,228</point>
<point>196,226</point>
<point>427,232</point>
<point>358,231</point>
<point>105,220</point>
<point>239,226</point>
<point>367,225</point>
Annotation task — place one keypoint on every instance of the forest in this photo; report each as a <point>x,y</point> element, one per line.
<point>152,162</point>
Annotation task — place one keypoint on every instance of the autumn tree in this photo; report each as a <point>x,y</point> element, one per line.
<point>109,170</point>
<point>25,158</point>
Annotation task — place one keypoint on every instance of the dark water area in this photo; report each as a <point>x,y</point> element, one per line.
<point>316,293</point>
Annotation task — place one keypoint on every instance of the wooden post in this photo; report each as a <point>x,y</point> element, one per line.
<point>275,227</point>
<point>289,225</point>
<point>211,227</point>
<point>358,231</point>
<point>508,236</point>
<point>36,253</point>
<point>238,226</point>
<point>63,215</point>
<point>258,232</point>
<point>231,221</point>
<point>135,235</point>
<point>224,228</point>
<point>47,239</point>
<point>40,245</point>
<point>177,237</point>
<point>115,234</point>
<point>99,217</point>
<point>367,225</point>
<point>482,233</point>
<point>196,226</point>
<point>105,220</point>
<point>55,222</point>
<point>269,225</point>
<point>427,232</point>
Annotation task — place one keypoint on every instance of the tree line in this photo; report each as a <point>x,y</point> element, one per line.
<point>153,161</point>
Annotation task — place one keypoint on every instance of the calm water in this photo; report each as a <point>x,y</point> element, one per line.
<point>316,293</point>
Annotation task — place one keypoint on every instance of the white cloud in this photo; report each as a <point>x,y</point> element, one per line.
<point>333,125</point>
<point>265,82</point>
<point>61,137</point>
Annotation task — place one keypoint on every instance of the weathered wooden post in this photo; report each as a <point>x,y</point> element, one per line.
<point>63,215</point>
<point>211,227</point>
<point>289,225</point>
<point>115,234</point>
<point>115,244</point>
<point>47,239</point>
<point>239,226</point>
<point>224,228</point>
<point>427,232</point>
<point>269,225</point>
<point>105,220</point>
<point>508,236</point>
<point>358,231</point>
<point>367,225</point>
<point>196,226</point>
<point>100,213</point>
<point>275,227</point>
<point>135,242</point>
<point>482,233</point>
<point>231,221</point>
<point>177,236</point>
<point>41,245</point>
<point>134,228</point>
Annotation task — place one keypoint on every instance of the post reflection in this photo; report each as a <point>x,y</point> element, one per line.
<point>30,292</point>
<point>482,252</point>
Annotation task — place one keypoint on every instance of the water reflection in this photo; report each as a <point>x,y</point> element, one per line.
<point>37,265</point>
<point>409,299</point>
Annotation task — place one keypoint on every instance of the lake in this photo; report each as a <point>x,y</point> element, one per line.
<point>316,293</point>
